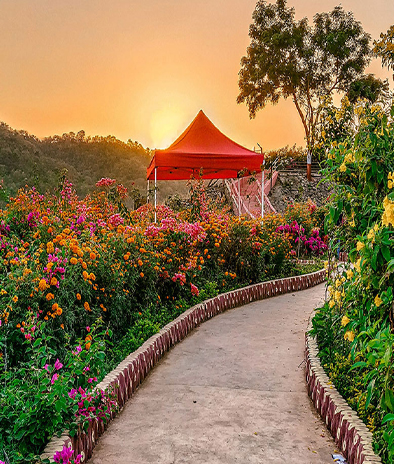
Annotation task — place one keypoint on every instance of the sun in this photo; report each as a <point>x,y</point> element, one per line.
<point>166,124</point>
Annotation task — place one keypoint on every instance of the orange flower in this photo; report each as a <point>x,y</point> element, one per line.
<point>140,263</point>
<point>92,256</point>
<point>50,296</point>
<point>85,275</point>
<point>50,247</point>
<point>84,265</point>
<point>141,274</point>
<point>15,299</point>
<point>79,296</point>
<point>55,307</point>
<point>62,326</point>
<point>87,346</point>
<point>53,281</point>
<point>86,306</point>
<point>42,285</point>
<point>73,260</point>
<point>59,311</point>
<point>92,276</point>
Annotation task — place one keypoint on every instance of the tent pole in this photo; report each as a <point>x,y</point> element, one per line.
<point>262,186</point>
<point>262,194</point>
<point>239,197</point>
<point>155,193</point>
<point>147,193</point>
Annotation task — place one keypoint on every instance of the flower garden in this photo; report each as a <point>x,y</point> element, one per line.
<point>84,282</point>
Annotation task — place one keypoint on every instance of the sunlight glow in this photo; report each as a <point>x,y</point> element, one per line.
<point>166,124</point>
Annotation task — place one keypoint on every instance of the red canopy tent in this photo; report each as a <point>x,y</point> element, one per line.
<point>202,148</point>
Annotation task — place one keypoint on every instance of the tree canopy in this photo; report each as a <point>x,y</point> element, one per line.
<point>289,58</point>
<point>384,48</point>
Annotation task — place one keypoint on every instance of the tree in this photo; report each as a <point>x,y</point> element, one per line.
<point>384,48</point>
<point>369,88</point>
<point>289,59</point>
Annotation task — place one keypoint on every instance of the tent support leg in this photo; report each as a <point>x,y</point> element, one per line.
<point>155,193</point>
<point>239,197</point>
<point>262,193</point>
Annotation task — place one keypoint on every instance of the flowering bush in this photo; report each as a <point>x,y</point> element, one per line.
<point>357,323</point>
<point>313,244</point>
<point>70,266</point>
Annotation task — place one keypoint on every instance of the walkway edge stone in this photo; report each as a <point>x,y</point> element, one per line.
<point>131,372</point>
<point>349,432</point>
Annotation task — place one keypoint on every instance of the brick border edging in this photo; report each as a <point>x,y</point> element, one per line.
<point>129,374</point>
<point>350,433</point>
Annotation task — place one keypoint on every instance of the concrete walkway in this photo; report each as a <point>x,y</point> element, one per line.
<point>231,392</point>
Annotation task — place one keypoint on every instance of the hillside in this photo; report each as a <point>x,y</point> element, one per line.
<point>25,159</point>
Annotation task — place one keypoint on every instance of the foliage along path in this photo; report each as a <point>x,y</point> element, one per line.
<point>231,392</point>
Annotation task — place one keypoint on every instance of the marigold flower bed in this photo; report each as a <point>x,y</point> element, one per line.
<point>85,282</point>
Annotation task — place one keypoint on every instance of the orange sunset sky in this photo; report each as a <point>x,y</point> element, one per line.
<point>142,69</point>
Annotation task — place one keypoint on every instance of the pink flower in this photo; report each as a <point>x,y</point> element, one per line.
<point>194,289</point>
<point>54,378</point>
<point>46,367</point>
<point>72,393</point>
<point>105,182</point>
<point>64,456</point>
<point>58,365</point>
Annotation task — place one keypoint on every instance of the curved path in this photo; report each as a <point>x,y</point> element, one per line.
<point>232,392</point>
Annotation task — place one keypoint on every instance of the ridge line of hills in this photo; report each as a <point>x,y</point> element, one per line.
<point>27,160</point>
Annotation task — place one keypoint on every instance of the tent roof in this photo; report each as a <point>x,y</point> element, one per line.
<point>203,147</point>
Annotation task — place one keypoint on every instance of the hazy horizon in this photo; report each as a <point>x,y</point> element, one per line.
<point>143,70</point>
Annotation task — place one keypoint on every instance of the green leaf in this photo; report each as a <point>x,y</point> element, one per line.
<point>369,392</point>
<point>389,399</point>
<point>386,253</point>
<point>358,364</point>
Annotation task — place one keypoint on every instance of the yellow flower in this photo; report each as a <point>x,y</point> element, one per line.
<point>3,292</point>
<point>15,299</point>
<point>357,266</point>
<point>342,167</point>
<point>349,335</point>
<point>390,177</point>
<point>338,283</point>
<point>388,214</point>
<point>331,303</point>
<point>337,296</point>
<point>345,321</point>
<point>349,273</point>
<point>378,301</point>
<point>360,246</point>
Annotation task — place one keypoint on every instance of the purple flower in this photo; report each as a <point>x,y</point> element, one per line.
<point>58,365</point>
<point>46,367</point>
<point>54,378</point>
